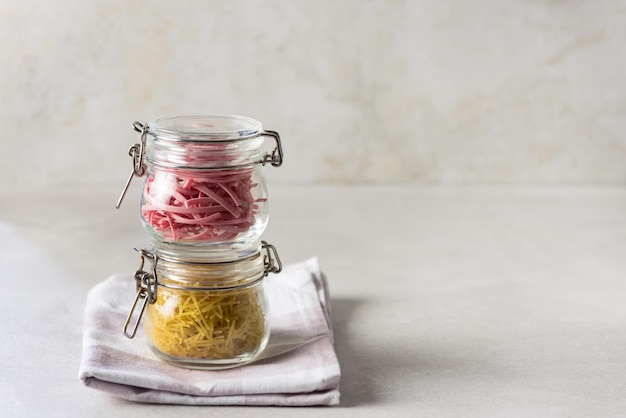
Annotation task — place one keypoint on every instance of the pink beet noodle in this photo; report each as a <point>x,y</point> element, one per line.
<point>210,206</point>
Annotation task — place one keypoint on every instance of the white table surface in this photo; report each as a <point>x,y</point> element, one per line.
<point>475,302</point>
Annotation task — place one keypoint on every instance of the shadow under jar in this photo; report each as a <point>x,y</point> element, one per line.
<point>205,183</point>
<point>204,315</point>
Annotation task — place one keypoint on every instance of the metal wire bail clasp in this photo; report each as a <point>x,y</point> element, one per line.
<point>137,152</point>
<point>272,263</point>
<point>146,290</point>
<point>276,157</point>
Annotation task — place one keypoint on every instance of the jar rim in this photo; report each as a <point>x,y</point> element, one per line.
<point>202,254</point>
<point>205,128</point>
<point>184,273</point>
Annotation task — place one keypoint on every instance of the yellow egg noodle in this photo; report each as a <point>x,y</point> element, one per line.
<point>206,325</point>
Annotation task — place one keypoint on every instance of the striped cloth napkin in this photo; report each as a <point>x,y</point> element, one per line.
<point>299,366</point>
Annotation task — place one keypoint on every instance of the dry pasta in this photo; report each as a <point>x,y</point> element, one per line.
<point>206,324</point>
<point>182,205</point>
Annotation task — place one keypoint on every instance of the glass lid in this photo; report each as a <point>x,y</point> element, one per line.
<point>207,127</point>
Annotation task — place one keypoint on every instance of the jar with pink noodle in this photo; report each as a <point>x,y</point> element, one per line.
<point>204,179</point>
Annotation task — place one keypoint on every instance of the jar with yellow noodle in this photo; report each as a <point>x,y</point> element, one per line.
<point>209,315</point>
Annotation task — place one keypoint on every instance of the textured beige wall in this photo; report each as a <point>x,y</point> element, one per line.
<point>425,91</point>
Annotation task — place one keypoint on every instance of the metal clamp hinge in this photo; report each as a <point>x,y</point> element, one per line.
<point>146,291</point>
<point>276,157</point>
<point>137,152</point>
<point>270,259</point>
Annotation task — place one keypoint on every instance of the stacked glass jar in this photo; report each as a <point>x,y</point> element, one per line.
<point>204,204</point>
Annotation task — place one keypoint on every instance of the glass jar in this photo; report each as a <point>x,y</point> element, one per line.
<point>204,315</point>
<point>205,183</point>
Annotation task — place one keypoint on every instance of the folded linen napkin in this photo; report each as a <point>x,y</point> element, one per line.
<point>299,366</point>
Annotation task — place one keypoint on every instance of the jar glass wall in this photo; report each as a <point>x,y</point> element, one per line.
<point>205,181</point>
<point>208,315</point>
